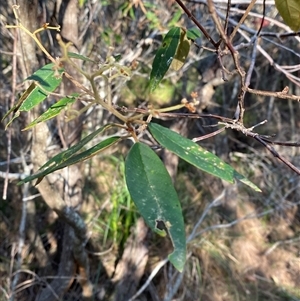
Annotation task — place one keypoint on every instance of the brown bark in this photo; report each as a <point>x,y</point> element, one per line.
<point>28,64</point>
<point>28,14</point>
<point>63,202</point>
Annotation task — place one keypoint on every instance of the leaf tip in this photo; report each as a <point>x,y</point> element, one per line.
<point>178,260</point>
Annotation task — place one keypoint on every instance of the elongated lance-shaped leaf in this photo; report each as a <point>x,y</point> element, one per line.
<point>23,97</point>
<point>47,79</point>
<point>73,159</point>
<point>79,57</point>
<point>182,51</point>
<point>67,154</point>
<point>290,12</point>
<point>16,107</point>
<point>194,154</point>
<point>54,110</point>
<point>153,193</point>
<point>175,47</point>
<point>193,33</point>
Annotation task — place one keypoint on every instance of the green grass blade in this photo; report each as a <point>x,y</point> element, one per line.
<point>152,191</point>
<point>194,154</point>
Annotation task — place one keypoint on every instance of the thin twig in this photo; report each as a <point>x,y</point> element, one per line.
<point>191,16</point>
<point>239,115</point>
<point>28,283</point>
<point>262,19</point>
<point>277,155</point>
<point>227,16</point>
<point>280,94</point>
<point>295,144</point>
<point>252,64</point>
<point>173,287</point>
<point>12,102</point>
<point>208,135</point>
<point>248,132</point>
<point>250,6</point>
<point>212,204</point>
<point>152,275</point>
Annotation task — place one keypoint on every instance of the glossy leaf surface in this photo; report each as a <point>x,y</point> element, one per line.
<point>194,154</point>
<point>47,80</point>
<point>153,193</point>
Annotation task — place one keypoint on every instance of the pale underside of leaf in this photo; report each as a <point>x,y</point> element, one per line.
<point>182,51</point>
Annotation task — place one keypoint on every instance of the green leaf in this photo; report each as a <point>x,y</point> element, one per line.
<point>290,12</point>
<point>164,57</point>
<point>193,33</point>
<point>47,79</point>
<point>65,155</point>
<point>16,107</point>
<point>153,193</point>
<point>70,157</point>
<point>54,110</point>
<point>175,18</point>
<point>182,51</point>
<point>194,154</point>
<point>153,19</point>
<point>174,48</point>
<point>79,57</point>
<point>81,3</point>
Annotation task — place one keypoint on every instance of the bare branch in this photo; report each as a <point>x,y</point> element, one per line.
<point>191,16</point>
